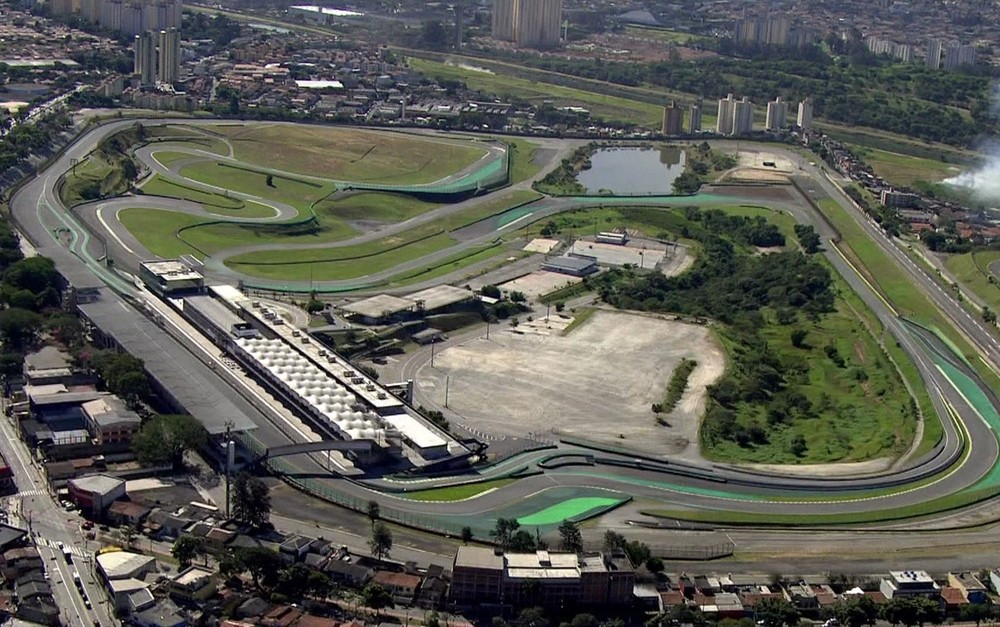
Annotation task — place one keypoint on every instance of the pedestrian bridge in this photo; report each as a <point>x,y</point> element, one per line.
<point>354,446</point>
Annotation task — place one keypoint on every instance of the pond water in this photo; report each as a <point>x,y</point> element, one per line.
<point>633,170</point>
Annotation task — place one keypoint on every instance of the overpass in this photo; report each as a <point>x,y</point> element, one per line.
<point>354,446</point>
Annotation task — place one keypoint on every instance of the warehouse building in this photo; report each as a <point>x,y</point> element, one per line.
<point>573,265</point>
<point>95,493</point>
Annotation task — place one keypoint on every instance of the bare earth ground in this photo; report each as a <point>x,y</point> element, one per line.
<point>538,283</point>
<point>597,383</point>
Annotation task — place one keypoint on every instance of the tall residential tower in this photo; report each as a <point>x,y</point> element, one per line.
<point>528,23</point>
<point>777,113</point>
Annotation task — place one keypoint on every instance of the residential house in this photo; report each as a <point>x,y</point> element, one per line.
<point>194,583</point>
<point>402,586</point>
<point>972,589</point>
<point>127,513</point>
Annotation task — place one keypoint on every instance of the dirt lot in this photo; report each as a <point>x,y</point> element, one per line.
<point>538,283</point>
<point>596,383</point>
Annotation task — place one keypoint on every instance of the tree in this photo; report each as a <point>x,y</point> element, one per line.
<point>376,597</point>
<point>165,438</point>
<point>974,613</point>
<point>775,612</point>
<point>433,35</point>
<point>34,274</point>
<point>522,542</point>
<point>654,565</point>
<point>18,327</point>
<point>185,549</point>
<point>584,620</point>
<point>808,238</point>
<point>504,531</point>
<point>466,535</point>
<point>270,180</point>
<point>381,541</point>
<point>490,291</point>
<point>570,538</point>
<point>798,445</point>
<point>127,535</point>
<point>133,387</point>
<point>301,579</point>
<point>613,541</point>
<point>263,565</point>
<point>251,501</point>
<point>373,512</point>
<point>989,316</point>
<point>517,297</point>
<point>798,337</point>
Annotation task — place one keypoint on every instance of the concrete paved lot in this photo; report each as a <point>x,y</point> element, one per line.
<point>597,383</point>
<point>640,253</point>
<point>538,283</point>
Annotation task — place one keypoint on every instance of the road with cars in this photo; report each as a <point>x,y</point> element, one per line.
<point>82,238</point>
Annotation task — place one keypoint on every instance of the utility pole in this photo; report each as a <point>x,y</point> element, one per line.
<point>447,386</point>
<point>432,354</point>
<point>229,465</point>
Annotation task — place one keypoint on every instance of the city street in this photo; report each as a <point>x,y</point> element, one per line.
<point>49,524</point>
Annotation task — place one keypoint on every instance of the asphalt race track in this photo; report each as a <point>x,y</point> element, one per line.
<point>573,480</point>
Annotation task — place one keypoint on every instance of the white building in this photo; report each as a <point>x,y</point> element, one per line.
<point>805,118</point>
<point>933,53</point>
<point>169,49</point>
<point>777,113</point>
<point>724,117</point>
<point>743,117</point>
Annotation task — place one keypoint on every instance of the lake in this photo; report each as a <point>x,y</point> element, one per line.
<point>633,170</point>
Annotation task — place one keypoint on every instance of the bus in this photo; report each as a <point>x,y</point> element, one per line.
<point>67,554</point>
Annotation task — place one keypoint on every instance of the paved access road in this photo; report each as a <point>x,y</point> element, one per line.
<point>79,239</point>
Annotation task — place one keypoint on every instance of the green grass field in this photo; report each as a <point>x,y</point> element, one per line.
<point>169,157</point>
<point>604,106</point>
<point>211,202</point>
<point>298,194</point>
<point>972,271</point>
<point>349,154</point>
<point>453,263</point>
<point>457,492</point>
<point>347,262</point>
<point>904,170</point>
<point>522,159</point>
<point>373,206</point>
<point>157,230</point>
<point>664,35</point>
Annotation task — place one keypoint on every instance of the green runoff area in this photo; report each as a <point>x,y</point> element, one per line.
<point>972,270</point>
<point>894,285</point>
<point>211,202</point>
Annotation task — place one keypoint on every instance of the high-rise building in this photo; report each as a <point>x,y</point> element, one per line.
<point>805,118</point>
<point>933,53</point>
<point>145,58</point>
<point>777,113</point>
<point>673,119</point>
<point>503,20</point>
<point>537,23</point>
<point>724,117</point>
<point>528,23</point>
<point>743,117</point>
<point>168,67</point>
<point>694,118</point>
<point>957,55</point>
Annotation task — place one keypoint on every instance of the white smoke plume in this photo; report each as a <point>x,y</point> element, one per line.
<point>984,181</point>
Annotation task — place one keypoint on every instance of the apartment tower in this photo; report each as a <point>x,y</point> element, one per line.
<point>694,118</point>
<point>777,113</point>
<point>724,117</point>
<point>673,119</point>
<point>528,23</point>
<point>805,119</point>
<point>168,67</point>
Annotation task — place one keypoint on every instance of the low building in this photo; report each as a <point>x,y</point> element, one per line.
<point>482,576</point>
<point>619,238</point>
<point>345,572</point>
<point>428,336</point>
<point>121,589</point>
<point>171,276</point>
<point>95,493</point>
<point>124,565</point>
<point>127,513</point>
<point>194,583</point>
<point>892,198</point>
<point>110,421</point>
<point>575,265</point>
<point>401,586</point>
<point>47,365</point>
<point>909,583</point>
<point>972,589</point>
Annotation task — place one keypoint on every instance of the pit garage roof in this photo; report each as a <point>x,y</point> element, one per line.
<point>422,436</point>
<point>188,380</point>
<point>440,296</point>
<point>213,310</point>
<point>379,306</point>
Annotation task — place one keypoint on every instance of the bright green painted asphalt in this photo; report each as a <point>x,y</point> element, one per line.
<point>577,508</point>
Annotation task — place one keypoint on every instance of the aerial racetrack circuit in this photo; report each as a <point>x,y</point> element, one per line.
<point>215,190</point>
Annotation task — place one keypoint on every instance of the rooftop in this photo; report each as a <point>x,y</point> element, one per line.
<point>47,358</point>
<point>415,431</point>
<point>110,410</point>
<point>440,296</point>
<point>911,576</point>
<point>379,306</point>
<point>99,484</point>
<point>570,263</point>
<point>123,564</point>
<point>171,270</point>
<point>193,577</point>
<point>478,557</point>
<point>212,309</point>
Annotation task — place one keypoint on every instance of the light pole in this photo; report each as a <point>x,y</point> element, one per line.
<point>229,464</point>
